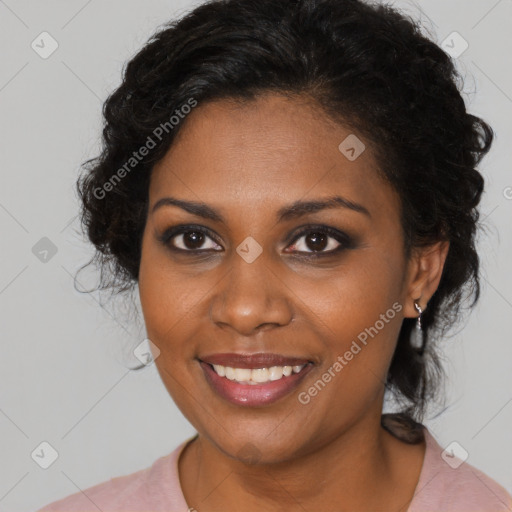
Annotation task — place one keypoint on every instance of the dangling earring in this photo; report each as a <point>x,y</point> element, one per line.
<point>417,334</point>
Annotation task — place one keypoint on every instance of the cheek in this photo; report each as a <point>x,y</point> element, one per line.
<point>360,328</point>
<point>359,316</point>
<point>164,291</point>
<point>353,296</point>
<point>167,300</point>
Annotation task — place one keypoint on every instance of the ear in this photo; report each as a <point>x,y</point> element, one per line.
<point>424,274</point>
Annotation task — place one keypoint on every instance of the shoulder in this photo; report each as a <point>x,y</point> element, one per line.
<point>447,483</point>
<point>154,488</point>
<point>109,495</point>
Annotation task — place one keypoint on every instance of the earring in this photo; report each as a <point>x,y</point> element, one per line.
<point>417,333</point>
<point>420,311</point>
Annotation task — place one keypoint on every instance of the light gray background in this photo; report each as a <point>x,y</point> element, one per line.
<point>63,357</point>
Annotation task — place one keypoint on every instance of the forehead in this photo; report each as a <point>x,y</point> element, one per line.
<point>266,153</point>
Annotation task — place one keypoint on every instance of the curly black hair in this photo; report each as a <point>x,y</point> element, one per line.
<point>368,67</point>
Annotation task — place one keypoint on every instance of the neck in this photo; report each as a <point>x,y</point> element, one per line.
<point>338,475</point>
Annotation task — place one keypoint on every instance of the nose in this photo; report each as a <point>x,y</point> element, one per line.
<point>251,297</point>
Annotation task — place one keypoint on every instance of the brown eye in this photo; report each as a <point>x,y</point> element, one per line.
<point>316,241</point>
<point>320,240</point>
<point>192,239</point>
<point>189,239</point>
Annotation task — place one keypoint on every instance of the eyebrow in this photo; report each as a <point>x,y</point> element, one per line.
<point>292,211</point>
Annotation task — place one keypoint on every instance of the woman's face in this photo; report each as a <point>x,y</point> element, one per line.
<point>256,283</point>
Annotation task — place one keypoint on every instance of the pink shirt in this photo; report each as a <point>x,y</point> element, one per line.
<point>440,488</point>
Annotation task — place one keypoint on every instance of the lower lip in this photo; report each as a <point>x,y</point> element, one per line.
<point>253,395</point>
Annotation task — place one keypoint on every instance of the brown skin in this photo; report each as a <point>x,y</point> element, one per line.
<point>247,161</point>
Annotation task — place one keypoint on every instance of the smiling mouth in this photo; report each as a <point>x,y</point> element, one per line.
<point>256,376</point>
<point>254,386</point>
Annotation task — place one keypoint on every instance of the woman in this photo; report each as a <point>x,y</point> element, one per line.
<point>292,186</point>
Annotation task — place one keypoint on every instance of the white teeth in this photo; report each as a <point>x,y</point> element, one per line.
<point>242,374</point>
<point>256,375</point>
<point>221,370</point>
<point>260,375</point>
<point>275,373</point>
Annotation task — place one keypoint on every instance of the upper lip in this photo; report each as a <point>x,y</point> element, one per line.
<point>260,360</point>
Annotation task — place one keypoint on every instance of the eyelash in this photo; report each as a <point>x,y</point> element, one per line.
<point>343,239</point>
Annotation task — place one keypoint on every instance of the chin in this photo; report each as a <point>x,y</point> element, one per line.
<point>259,449</point>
